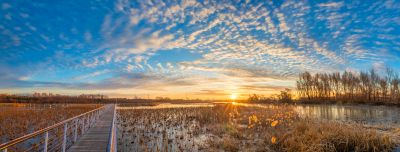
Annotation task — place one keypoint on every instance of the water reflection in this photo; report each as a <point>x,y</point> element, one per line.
<point>365,114</point>
<point>381,115</point>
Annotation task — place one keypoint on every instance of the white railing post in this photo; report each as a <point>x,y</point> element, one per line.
<point>46,141</point>
<point>64,143</point>
<point>83,126</point>
<point>91,120</point>
<point>76,130</point>
<point>88,122</point>
<point>97,115</point>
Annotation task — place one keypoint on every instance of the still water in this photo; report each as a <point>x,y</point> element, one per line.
<point>364,114</point>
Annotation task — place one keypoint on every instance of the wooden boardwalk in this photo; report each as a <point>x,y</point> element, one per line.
<point>96,139</point>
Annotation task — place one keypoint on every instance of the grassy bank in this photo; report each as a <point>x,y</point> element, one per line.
<point>229,127</point>
<point>307,136</point>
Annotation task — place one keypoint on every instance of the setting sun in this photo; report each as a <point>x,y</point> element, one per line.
<point>233,97</point>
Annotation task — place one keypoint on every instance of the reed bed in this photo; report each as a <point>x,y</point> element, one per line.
<point>227,127</point>
<point>17,120</point>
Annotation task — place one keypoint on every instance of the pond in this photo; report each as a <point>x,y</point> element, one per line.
<point>364,114</point>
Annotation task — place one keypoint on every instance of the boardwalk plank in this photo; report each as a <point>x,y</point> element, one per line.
<point>96,138</point>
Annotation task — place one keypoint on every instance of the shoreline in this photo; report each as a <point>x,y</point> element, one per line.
<point>323,103</point>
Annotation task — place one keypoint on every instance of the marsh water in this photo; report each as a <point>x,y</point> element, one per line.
<point>364,114</point>
<point>141,131</point>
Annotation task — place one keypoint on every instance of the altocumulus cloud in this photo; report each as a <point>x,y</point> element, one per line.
<point>205,45</point>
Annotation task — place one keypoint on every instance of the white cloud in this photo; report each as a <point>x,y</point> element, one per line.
<point>5,6</point>
<point>8,16</point>
<point>379,66</point>
<point>258,34</point>
<point>91,75</point>
<point>88,36</point>
<point>282,22</point>
<point>129,68</point>
<point>331,4</point>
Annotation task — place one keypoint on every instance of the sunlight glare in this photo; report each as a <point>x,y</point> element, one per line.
<point>233,96</point>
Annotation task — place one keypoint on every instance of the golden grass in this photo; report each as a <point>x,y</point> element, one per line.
<point>227,127</point>
<point>20,119</point>
<point>309,136</point>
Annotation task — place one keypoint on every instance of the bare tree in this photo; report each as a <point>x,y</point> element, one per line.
<point>350,87</point>
<point>286,95</point>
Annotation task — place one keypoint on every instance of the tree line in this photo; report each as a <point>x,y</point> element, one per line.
<point>362,87</point>
<point>63,99</point>
<point>285,96</point>
<point>84,98</point>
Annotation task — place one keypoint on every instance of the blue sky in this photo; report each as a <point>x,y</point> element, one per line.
<point>196,49</point>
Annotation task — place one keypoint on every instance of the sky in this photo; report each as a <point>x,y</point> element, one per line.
<point>189,49</point>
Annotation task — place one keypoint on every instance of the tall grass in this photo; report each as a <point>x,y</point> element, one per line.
<point>227,127</point>
<point>309,136</point>
<point>19,119</point>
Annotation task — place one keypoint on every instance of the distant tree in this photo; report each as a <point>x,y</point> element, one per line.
<point>285,96</point>
<point>254,98</point>
<point>368,86</point>
<point>163,99</point>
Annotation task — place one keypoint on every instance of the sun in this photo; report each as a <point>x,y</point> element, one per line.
<point>233,96</point>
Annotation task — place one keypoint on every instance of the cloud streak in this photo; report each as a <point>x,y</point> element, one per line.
<point>204,45</point>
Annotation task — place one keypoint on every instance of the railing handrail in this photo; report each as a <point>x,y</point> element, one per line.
<point>111,147</point>
<point>41,131</point>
